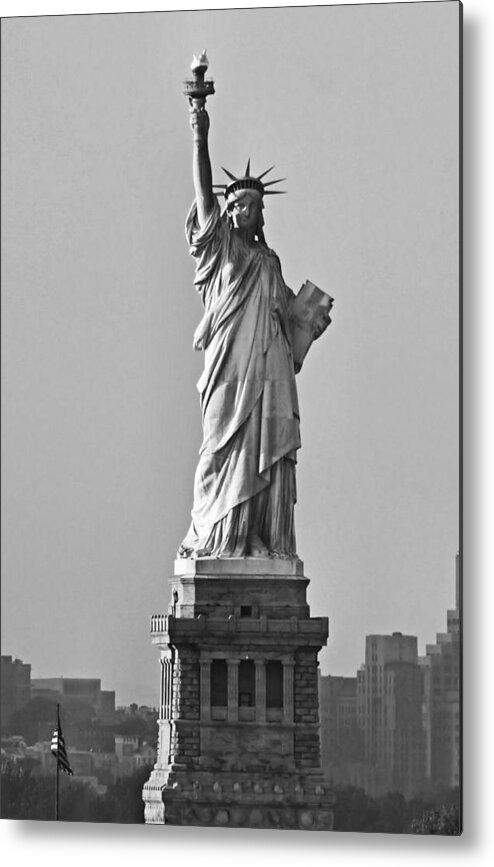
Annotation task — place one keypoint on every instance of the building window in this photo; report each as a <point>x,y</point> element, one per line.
<point>246,611</point>
<point>274,684</point>
<point>219,683</point>
<point>246,683</point>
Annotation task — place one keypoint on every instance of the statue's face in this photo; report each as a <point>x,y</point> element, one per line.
<point>246,212</point>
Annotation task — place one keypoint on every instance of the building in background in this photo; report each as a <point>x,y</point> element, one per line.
<point>371,725</point>
<point>15,686</point>
<point>83,689</point>
<point>441,704</point>
<point>103,744</point>
<point>133,753</point>
<point>389,713</point>
<point>397,725</point>
<point>341,738</point>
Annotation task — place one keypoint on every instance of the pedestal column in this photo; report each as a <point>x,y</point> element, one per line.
<point>288,667</point>
<point>205,665</point>
<point>260,690</point>
<point>233,665</point>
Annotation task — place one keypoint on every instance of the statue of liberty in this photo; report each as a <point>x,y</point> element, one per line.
<point>244,487</point>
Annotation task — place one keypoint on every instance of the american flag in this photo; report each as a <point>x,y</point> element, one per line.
<point>58,749</point>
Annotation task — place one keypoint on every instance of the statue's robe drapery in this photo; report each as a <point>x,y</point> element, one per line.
<point>245,479</point>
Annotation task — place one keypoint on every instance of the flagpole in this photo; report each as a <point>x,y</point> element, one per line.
<point>57,789</point>
<point>60,753</point>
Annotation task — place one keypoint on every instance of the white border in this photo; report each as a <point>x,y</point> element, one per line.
<point>81,844</point>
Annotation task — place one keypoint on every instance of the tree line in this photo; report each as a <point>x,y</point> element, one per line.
<point>435,812</point>
<point>28,796</point>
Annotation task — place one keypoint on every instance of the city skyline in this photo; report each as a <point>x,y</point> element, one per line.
<point>153,701</point>
<point>393,727</point>
<point>101,423</point>
<point>95,676</point>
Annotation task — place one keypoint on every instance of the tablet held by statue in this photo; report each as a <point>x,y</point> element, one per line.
<point>309,316</point>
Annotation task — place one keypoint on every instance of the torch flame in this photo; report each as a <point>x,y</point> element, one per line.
<point>197,62</point>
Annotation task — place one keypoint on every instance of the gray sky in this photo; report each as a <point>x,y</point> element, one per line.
<point>358,108</point>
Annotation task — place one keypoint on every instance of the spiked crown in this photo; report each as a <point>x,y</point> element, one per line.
<point>247,182</point>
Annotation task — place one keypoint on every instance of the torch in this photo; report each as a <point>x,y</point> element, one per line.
<point>197,89</point>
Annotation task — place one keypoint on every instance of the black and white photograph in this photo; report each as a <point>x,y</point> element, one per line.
<point>232,567</point>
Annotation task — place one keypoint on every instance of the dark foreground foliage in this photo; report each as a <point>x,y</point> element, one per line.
<point>431,813</point>
<point>27,796</point>
<point>445,821</point>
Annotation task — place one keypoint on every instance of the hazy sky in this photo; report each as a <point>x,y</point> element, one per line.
<point>358,108</point>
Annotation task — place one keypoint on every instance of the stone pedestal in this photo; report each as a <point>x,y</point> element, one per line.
<point>239,716</point>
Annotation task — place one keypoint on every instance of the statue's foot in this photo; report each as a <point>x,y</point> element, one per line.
<point>191,554</point>
<point>184,553</point>
<point>284,555</point>
<point>256,547</point>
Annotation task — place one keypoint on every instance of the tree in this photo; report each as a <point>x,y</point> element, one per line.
<point>393,814</point>
<point>445,821</point>
<point>123,800</point>
<point>25,796</point>
<point>354,810</point>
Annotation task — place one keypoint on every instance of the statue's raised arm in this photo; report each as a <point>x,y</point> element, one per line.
<point>201,164</point>
<point>197,90</point>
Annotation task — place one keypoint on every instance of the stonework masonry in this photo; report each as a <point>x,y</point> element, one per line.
<point>239,711</point>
